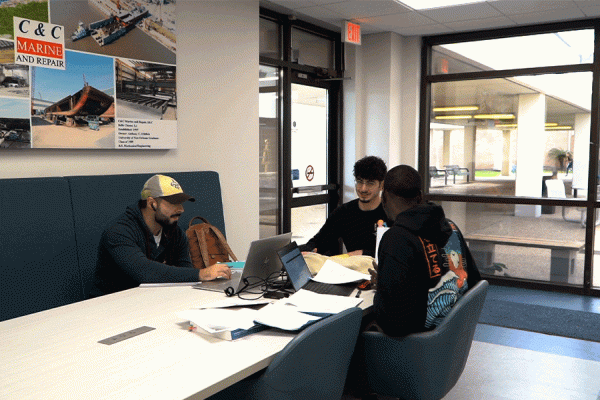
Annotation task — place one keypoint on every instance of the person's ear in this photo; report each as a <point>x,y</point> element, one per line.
<point>152,203</point>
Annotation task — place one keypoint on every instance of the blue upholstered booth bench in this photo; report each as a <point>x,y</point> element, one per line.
<point>50,229</point>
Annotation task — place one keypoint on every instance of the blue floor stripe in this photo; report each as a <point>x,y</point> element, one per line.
<point>538,342</point>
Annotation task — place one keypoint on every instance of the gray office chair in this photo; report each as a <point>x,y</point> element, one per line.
<point>312,366</point>
<point>425,365</point>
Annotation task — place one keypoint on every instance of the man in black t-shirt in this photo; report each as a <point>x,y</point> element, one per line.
<point>355,222</point>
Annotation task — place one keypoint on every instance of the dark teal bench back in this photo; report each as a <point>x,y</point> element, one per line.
<point>97,200</point>
<point>38,256</point>
<point>50,229</point>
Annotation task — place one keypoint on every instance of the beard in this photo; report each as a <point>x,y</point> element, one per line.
<point>165,222</point>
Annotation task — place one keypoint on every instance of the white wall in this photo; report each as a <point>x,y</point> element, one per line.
<point>381,102</point>
<point>217,71</point>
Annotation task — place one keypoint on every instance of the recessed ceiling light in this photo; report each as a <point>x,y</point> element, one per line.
<point>427,4</point>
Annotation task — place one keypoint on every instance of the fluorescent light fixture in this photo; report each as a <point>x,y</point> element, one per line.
<point>559,128</point>
<point>456,108</point>
<point>547,124</point>
<point>427,4</point>
<point>506,125</point>
<point>453,117</point>
<point>494,116</point>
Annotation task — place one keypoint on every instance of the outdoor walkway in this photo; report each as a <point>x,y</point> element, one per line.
<point>498,219</point>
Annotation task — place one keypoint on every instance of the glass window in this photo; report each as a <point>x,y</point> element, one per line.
<point>543,50</point>
<point>309,137</point>
<point>306,222</point>
<point>507,136</point>
<point>310,49</point>
<point>547,248</point>
<point>269,39</point>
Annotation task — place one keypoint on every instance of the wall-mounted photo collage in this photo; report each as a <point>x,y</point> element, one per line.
<point>118,87</point>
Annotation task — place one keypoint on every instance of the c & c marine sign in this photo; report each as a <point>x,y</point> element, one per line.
<point>40,44</point>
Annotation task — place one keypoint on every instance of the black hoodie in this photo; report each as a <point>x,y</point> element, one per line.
<point>128,255</point>
<point>404,276</point>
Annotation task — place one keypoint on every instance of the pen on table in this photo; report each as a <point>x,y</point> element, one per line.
<point>358,294</point>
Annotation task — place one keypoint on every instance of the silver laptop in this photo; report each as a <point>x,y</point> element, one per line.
<point>261,263</point>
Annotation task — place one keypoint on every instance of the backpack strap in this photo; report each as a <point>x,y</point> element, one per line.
<point>201,235</point>
<point>197,217</point>
<point>221,238</point>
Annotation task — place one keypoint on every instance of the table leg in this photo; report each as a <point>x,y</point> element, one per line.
<point>562,264</point>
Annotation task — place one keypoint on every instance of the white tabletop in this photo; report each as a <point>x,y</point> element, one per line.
<point>56,354</point>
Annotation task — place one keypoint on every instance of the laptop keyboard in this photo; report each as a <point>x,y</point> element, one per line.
<point>326,288</point>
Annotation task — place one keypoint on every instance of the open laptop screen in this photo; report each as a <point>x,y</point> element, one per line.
<point>295,265</point>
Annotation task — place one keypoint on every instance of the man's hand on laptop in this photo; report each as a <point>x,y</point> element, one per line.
<point>215,271</point>
<point>309,252</point>
<point>373,272</point>
<point>356,253</point>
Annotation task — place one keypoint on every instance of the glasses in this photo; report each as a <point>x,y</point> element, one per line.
<point>369,184</point>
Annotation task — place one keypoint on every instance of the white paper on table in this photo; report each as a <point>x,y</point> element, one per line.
<point>214,320</point>
<point>234,302</point>
<point>307,301</point>
<point>334,273</point>
<point>380,231</point>
<point>282,316</point>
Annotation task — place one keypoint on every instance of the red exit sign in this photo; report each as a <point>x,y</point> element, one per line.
<point>351,32</point>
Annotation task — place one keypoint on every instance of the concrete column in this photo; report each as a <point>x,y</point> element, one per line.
<point>581,152</point>
<point>470,135</point>
<point>530,155</point>
<point>446,145</point>
<point>353,118</point>
<point>505,153</point>
<point>386,103</point>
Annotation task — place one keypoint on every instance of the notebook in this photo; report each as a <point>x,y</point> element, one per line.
<point>261,263</point>
<point>300,276</point>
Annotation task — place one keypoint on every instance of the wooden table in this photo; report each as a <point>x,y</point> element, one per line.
<point>55,354</point>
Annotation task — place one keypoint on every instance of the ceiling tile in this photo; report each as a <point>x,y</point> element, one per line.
<point>512,7</point>
<point>548,16</point>
<point>354,9</point>
<point>323,14</point>
<point>292,4</point>
<point>397,21</point>
<point>591,11</point>
<point>461,13</point>
<point>587,3</point>
<point>481,24</point>
<point>323,2</point>
<point>365,29</point>
<point>423,30</point>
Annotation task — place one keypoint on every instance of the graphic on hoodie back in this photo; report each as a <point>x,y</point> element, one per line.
<point>452,285</point>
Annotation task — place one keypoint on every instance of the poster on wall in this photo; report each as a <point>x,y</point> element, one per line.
<point>88,74</point>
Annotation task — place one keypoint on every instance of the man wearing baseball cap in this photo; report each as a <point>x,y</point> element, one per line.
<point>145,244</point>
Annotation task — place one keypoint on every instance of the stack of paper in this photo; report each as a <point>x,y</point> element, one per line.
<point>223,323</point>
<point>336,274</point>
<point>294,313</point>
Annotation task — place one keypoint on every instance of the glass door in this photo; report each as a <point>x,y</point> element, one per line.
<point>314,163</point>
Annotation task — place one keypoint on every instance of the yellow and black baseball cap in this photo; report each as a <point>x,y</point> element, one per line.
<point>165,187</point>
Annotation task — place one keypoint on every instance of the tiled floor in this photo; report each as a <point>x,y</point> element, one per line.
<point>512,364</point>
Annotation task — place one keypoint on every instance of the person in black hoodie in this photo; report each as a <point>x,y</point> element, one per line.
<point>145,244</point>
<point>424,262</point>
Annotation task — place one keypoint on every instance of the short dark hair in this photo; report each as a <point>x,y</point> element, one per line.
<point>403,181</point>
<point>370,168</point>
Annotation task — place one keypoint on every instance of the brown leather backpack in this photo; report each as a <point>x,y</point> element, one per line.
<point>207,244</point>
